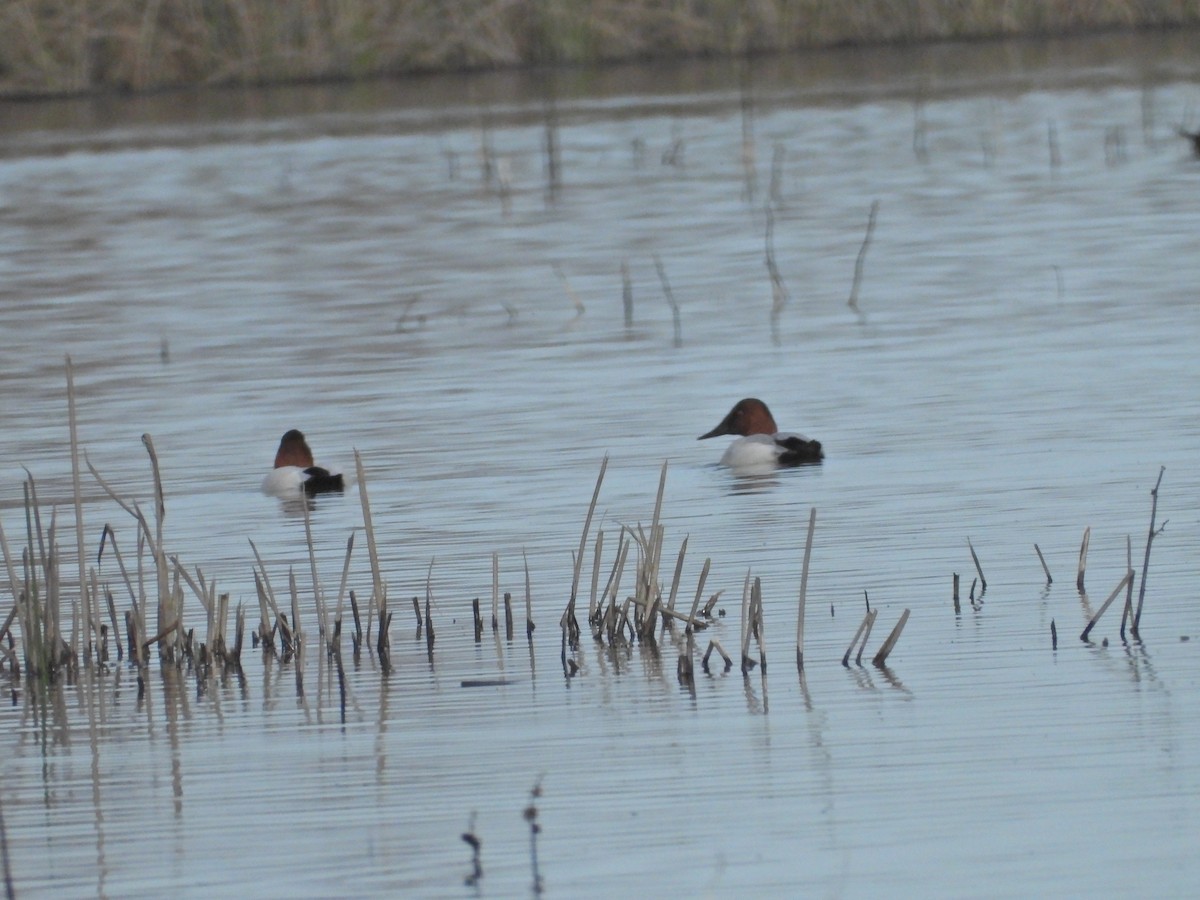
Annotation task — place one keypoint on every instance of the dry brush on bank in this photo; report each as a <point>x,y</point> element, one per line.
<point>49,47</point>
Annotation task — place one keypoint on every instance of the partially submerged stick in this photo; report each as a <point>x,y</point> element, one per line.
<point>1107,603</point>
<point>1083,549</point>
<point>666,286</point>
<point>808,542</point>
<point>587,524</point>
<point>1045,568</point>
<point>886,648</point>
<point>861,260</point>
<point>1150,536</point>
<point>863,626</point>
<point>978,568</point>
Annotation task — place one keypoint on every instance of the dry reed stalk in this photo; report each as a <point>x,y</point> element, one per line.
<point>495,591</point>
<point>808,542</point>
<point>1150,536</point>
<point>1053,635</point>
<point>685,669</point>
<point>357,637</point>
<point>863,626</point>
<point>699,589</point>
<point>297,627</point>
<point>979,569</point>
<point>76,482</point>
<point>613,588</point>
<point>594,600</point>
<point>110,536</point>
<point>1107,603</point>
<point>674,615</point>
<point>575,299</point>
<point>746,625</point>
<point>478,620</point>
<point>759,626</point>
<point>337,615</point>
<point>779,292</point>
<point>678,574</point>
<point>627,294</point>
<point>667,292</point>
<point>416,604</point>
<point>872,616</point>
<point>263,634</point>
<point>1127,609</point>
<point>529,626</point>
<point>508,616</point>
<point>318,594</point>
<point>160,557</point>
<point>144,537</point>
<point>269,591</point>
<point>957,607</point>
<point>886,649</point>
<point>714,644</point>
<point>1083,549</point>
<point>861,260</point>
<point>1045,568</point>
<point>587,524</point>
<point>379,596</point>
<point>235,655</point>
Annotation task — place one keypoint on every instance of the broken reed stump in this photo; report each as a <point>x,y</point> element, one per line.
<point>508,616</point>
<point>808,542</point>
<point>861,260</point>
<point>979,569</point>
<point>478,620</point>
<point>1045,568</point>
<point>669,294</point>
<point>531,815</point>
<point>1150,536</point>
<point>888,645</point>
<point>957,607</point>
<point>1107,603</point>
<point>864,626</point>
<point>529,626</point>
<point>714,644</point>
<point>1083,549</point>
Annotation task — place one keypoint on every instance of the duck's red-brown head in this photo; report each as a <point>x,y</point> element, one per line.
<point>293,451</point>
<point>749,416</point>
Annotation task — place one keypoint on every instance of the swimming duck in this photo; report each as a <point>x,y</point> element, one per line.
<point>762,443</point>
<point>294,473</point>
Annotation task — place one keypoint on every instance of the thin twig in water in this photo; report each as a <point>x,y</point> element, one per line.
<point>1107,603</point>
<point>779,292</point>
<point>666,286</point>
<point>858,263</point>
<point>1150,536</point>
<point>979,569</point>
<point>1045,568</point>
<point>1083,549</point>
<point>881,657</point>
<point>808,542</point>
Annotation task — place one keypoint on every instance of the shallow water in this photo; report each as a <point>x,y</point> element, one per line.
<point>223,267</point>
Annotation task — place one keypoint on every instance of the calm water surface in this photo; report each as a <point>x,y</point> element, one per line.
<point>400,270</point>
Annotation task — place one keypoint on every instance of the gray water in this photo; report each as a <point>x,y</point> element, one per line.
<point>398,269</point>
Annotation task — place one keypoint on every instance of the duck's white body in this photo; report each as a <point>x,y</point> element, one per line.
<point>757,451</point>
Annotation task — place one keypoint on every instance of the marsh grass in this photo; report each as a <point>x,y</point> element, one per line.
<point>52,47</point>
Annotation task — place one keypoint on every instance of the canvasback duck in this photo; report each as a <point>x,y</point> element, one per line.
<point>294,473</point>
<point>761,443</point>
